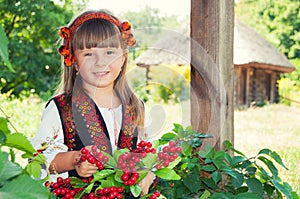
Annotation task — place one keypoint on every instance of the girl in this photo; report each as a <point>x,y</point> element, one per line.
<point>96,106</point>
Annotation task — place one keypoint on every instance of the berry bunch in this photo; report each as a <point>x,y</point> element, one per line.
<point>167,155</point>
<point>155,195</point>
<point>129,178</point>
<point>144,147</point>
<point>129,160</point>
<point>62,188</point>
<point>96,157</point>
<point>108,193</point>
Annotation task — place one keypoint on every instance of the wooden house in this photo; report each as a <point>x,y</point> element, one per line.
<point>257,64</point>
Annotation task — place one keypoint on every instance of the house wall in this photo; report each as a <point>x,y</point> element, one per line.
<point>255,86</point>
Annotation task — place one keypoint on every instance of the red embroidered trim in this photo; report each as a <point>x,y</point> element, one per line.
<point>86,107</point>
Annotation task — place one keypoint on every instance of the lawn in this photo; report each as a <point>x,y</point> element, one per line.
<point>276,127</point>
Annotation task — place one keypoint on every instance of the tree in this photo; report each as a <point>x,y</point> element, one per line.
<point>279,22</point>
<point>31,28</point>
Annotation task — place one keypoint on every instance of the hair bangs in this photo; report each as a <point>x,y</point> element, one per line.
<point>97,33</point>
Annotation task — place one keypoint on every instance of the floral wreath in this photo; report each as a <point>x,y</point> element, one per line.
<point>68,32</point>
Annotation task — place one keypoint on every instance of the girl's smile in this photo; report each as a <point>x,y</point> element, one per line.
<point>99,67</point>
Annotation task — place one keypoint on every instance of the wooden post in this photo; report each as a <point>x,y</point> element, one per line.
<point>212,74</point>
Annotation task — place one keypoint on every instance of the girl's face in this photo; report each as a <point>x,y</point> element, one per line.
<point>99,67</point>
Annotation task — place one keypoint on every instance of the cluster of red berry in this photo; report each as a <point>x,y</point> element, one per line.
<point>107,193</point>
<point>167,154</point>
<point>129,178</point>
<point>144,147</point>
<point>155,195</point>
<point>62,188</point>
<point>96,157</point>
<point>128,162</point>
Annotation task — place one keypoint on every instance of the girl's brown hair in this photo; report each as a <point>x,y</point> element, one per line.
<point>101,33</point>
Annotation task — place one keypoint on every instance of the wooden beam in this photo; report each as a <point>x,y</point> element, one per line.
<point>212,74</point>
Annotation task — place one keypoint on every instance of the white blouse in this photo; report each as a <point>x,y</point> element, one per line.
<point>50,132</point>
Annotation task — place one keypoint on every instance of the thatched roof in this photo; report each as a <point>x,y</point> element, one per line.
<point>173,48</point>
<point>250,48</point>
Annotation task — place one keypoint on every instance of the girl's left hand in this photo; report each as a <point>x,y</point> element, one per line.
<point>146,183</point>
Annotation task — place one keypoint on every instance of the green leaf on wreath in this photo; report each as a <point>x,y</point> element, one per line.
<point>19,141</point>
<point>8,169</point>
<point>24,187</point>
<point>135,190</point>
<point>167,174</point>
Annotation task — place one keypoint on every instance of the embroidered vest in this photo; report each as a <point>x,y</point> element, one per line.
<point>84,125</point>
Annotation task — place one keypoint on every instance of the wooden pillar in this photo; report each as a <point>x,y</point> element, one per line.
<point>273,87</point>
<point>249,97</point>
<point>212,74</point>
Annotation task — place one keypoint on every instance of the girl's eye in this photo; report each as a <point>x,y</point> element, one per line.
<point>88,54</point>
<point>109,52</point>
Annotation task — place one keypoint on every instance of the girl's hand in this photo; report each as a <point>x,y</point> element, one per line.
<point>86,169</point>
<point>146,182</point>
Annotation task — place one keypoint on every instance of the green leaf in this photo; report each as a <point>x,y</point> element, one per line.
<point>24,187</point>
<point>149,160</point>
<point>8,169</point>
<point>177,128</point>
<point>34,169</point>
<point>4,126</point>
<point>247,195</point>
<point>165,138</point>
<point>118,175</point>
<point>274,155</point>
<point>102,174</point>
<point>283,188</point>
<point>135,190</point>
<point>255,186</point>
<point>4,50</point>
<point>19,141</point>
<point>186,148</point>
<point>111,161</point>
<point>192,181</point>
<point>205,195</point>
<point>269,164</point>
<point>174,163</point>
<point>167,174</point>
<point>216,176</point>
<point>210,183</point>
<point>142,175</point>
<point>2,138</point>
<point>208,168</point>
<point>237,160</point>
<point>228,145</point>
<point>269,189</point>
